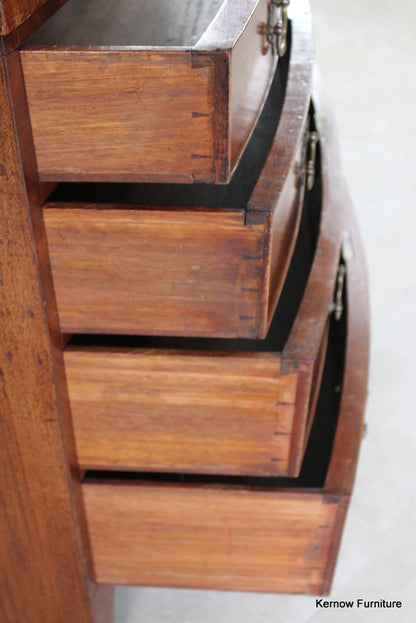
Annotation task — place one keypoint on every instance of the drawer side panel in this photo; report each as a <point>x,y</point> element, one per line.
<point>114,114</point>
<point>147,410</point>
<point>209,537</point>
<point>155,272</point>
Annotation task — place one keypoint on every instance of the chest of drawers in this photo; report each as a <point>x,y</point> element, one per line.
<point>194,405</point>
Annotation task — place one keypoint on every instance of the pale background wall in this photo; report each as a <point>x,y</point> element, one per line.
<point>366,50</point>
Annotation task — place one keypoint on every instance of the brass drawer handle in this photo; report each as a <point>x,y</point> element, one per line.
<point>347,252</point>
<point>277,26</point>
<point>309,170</point>
<point>337,306</point>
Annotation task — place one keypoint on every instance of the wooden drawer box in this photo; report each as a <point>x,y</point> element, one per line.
<point>212,406</point>
<point>143,91</point>
<point>262,534</point>
<point>182,260</point>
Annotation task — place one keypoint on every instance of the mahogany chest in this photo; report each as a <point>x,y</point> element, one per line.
<point>185,267</point>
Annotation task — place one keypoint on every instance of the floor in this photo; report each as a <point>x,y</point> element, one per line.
<point>367,53</point>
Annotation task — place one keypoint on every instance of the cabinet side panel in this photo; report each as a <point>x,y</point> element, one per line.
<point>43,575</point>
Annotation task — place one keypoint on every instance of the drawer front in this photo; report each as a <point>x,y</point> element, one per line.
<point>115,111</point>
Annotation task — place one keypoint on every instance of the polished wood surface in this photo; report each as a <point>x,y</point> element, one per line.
<point>295,107</point>
<point>251,73</point>
<point>43,560</point>
<point>345,454</point>
<point>283,163</point>
<point>109,109</point>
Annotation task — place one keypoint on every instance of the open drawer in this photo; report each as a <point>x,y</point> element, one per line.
<point>214,405</point>
<point>271,535</point>
<point>165,91</point>
<point>199,260</point>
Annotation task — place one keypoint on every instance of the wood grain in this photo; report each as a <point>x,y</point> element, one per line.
<point>114,392</point>
<point>122,126</point>
<point>157,271</point>
<point>209,537</point>
<point>43,571</point>
<point>138,112</point>
<point>174,412</point>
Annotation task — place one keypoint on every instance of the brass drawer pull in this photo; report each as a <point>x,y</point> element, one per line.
<point>277,26</point>
<point>347,252</point>
<point>309,170</point>
<point>337,306</point>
